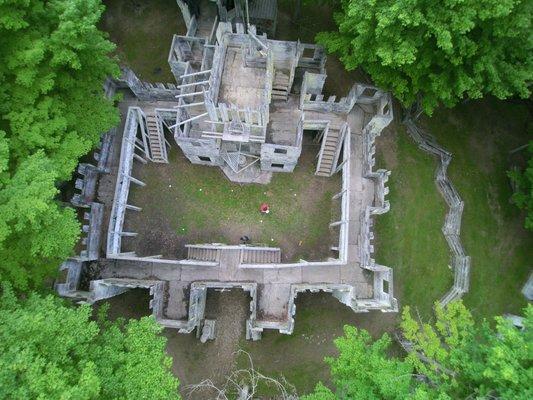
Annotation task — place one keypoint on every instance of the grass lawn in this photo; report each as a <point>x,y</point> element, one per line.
<point>187,203</point>
<point>409,238</point>
<point>480,135</point>
<point>142,31</point>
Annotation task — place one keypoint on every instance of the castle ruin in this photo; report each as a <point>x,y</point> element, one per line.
<point>241,102</point>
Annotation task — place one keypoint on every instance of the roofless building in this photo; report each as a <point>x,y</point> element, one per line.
<point>241,102</point>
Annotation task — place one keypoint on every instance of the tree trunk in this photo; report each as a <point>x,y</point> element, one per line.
<point>297,10</point>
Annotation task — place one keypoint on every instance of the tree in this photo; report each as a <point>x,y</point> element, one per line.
<point>52,111</point>
<point>452,358</point>
<point>523,183</point>
<point>363,371</point>
<point>465,359</point>
<point>35,232</point>
<point>244,384</point>
<point>438,52</point>
<point>51,351</point>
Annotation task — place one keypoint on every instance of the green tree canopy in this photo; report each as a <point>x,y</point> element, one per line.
<point>442,51</point>
<point>51,351</point>
<point>523,182</point>
<point>453,358</point>
<point>363,371</point>
<point>52,111</point>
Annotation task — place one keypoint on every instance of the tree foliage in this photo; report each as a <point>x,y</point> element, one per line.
<point>452,358</point>
<point>51,351</point>
<point>523,182</point>
<point>363,371</point>
<point>441,51</point>
<point>52,111</point>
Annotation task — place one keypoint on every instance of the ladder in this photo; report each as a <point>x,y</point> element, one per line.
<point>232,159</point>
<point>251,255</point>
<point>156,138</point>
<point>330,150</point>
<point>280,87</point>
<point>203,253</point>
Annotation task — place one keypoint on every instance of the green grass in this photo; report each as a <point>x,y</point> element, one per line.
<point>409,238</point>
<point>479,135</point>
<point>199,204</point>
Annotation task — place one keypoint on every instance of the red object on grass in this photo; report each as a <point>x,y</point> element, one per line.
<point>264,208</point>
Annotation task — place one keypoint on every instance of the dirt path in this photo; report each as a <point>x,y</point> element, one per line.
<point>214,360</point>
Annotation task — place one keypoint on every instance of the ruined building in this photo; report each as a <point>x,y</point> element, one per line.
<point>241,102</point>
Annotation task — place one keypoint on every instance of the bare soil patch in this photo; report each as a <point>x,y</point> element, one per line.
<point>298,357</point>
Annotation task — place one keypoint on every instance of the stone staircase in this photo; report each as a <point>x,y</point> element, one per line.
<point>156,139</point>
<point>280,87</point>
<point>329,151</point>
<point>260,255</point>
<point>201,253</point>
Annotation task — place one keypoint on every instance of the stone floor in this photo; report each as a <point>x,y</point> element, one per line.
<point>240,85</point>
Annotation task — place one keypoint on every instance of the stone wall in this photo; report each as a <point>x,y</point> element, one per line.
<point>69,288</point>
<point>92,232</point>
<point>105,288</point>
<point>452,222</point>
<point>277,158</point>
<point>147,91</point>
<point>93,214</point>
<point>311,98</point>
<point>201,151</point>
<point>130,142</point>
<point>383,297</point>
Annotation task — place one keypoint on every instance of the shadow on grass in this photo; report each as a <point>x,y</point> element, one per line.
<point>142,31</point>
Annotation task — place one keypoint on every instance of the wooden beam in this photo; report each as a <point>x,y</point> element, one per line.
<point>190,104</point>
<point>264,46</point>
<point>126,254</point>
<point>336,223</point>
<point>339,194</point>
<point>126,233</point>
<point>190,94</point>
<point>324,135</point>
<point>135,144</point>
<point>196,73</point>
<point>138,157</point>
<point>519,148</point>
<point>188,120</point>
<point>339,167</point>
<point>193,84</point>
<point>211,135</point>
<point>145,140</point>
<point>134,180</point>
